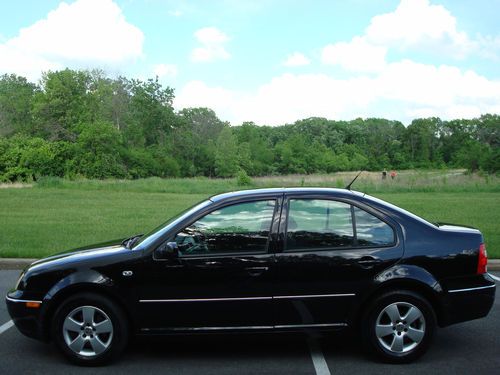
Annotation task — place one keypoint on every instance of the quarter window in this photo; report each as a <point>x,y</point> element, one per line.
<point>241,227</point>
<point>371,231</point>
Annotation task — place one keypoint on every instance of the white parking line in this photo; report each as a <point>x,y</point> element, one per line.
<point>494,277</point>
<point>318,358</point>
<point>6,326</point>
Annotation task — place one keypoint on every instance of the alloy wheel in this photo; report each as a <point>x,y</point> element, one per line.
<point>87,331</point>
<point>400,327</point>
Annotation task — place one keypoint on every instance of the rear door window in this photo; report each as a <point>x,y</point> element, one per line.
<point>316,224</point>
<point>326,224</point>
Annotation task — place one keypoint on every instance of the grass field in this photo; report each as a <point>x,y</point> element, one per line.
<point>56,215</point>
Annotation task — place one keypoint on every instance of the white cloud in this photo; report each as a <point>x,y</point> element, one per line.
<point>212,48</point>
<point>403,91</point>
<point>400,90</point>
<point>77,34</point>
<point>198,94</point>
<point>24,63</point>
<point>165,70</point>
<point>296,59</point>
<point>357,55</point>
<point>414,25</point>
<point>489,47</point>
<point>176,13</point>
<point>417,23</point>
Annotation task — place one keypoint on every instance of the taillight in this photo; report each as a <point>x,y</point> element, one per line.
<point>483,259</point>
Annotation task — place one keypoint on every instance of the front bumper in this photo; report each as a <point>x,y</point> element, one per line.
<point>26,319</point>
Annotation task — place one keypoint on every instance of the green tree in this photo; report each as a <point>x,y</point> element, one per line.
<point>226,157</point>
<point>151,108</point>
<point>62,104</point>
<point>98,153</point>
<point>16,101</point>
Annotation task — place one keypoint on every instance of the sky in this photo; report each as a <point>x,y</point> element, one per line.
<point>274,61</point>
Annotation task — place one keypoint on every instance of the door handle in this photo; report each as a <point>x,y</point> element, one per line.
<point>368,262</point>
<point>256,271</point>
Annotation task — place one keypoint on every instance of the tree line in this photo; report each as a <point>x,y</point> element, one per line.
<point>76,123</point>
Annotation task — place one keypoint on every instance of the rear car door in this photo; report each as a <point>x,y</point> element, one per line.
<point>221,278</point>
<point>331,249</point>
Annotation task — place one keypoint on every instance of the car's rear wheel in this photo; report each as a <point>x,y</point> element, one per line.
<point>398,326</point>
<point>89,329</point>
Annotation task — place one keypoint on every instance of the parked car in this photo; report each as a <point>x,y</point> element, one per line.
<point>262,260</point>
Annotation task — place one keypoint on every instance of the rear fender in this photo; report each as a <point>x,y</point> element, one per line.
<point>405,277</point>
<point>410,272</point>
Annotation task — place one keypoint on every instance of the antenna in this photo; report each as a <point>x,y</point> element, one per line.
<point>348,187</point>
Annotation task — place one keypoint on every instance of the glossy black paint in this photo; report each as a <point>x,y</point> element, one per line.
<point>271,290</point>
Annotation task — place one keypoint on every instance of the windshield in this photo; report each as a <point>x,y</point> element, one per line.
<point>161,229</point>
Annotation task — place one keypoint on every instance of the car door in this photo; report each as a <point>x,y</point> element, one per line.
<point>221,276</point>
<point>330,251</point>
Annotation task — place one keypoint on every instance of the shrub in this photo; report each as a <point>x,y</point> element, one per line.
<point>242,178</point>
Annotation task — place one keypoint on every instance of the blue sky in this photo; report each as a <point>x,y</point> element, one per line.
<point>275,61</point>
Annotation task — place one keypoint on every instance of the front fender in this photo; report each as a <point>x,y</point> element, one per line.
<point>89,280</point>
<point>87,277</point>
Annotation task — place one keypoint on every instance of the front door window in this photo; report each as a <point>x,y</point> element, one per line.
<point>239,228</point>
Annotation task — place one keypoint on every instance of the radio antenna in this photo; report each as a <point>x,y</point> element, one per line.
<point>348,187</point>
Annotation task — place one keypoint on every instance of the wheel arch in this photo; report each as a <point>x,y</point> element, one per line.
<point>63,294</point>
<point>410,278</point>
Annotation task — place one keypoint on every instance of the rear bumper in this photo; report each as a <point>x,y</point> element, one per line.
<point>463,304</point>
<point>25,318</point>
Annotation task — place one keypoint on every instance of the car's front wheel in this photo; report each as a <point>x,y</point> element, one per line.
<point>89,329</point>
<point>398,326</point>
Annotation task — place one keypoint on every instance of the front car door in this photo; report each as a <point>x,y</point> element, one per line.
<point>221,277</point>
<point>331,249</point>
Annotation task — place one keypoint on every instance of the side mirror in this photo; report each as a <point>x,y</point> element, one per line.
<point>166,250</point>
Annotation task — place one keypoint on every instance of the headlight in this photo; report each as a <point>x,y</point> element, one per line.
<point>19,283</point>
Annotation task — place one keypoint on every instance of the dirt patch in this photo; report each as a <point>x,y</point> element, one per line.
<point>15,185</point>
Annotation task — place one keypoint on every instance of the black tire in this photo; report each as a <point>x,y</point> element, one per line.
<point>99,346</point>
<point>400,344</point>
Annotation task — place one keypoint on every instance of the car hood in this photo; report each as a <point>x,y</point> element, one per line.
<point>81,254</point>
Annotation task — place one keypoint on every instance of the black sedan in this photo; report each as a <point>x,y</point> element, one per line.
<point>262,260</point>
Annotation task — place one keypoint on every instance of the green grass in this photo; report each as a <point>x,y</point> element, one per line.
<point>370,182</point>
<point>479,210</point>
<point>38,222</point>
<point>56,215</point>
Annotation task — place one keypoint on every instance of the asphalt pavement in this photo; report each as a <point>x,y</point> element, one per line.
<point>467,348</point>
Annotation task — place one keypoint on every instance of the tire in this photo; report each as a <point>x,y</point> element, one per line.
<point>89,329</point>
<point>398,326</point>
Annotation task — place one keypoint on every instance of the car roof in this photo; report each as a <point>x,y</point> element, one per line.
<point>270,191</point>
